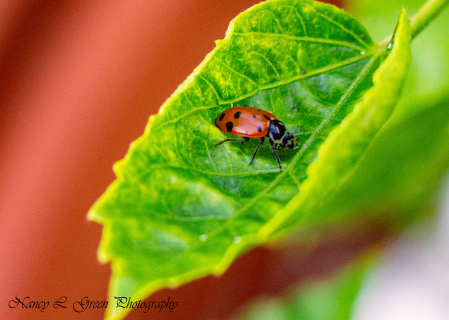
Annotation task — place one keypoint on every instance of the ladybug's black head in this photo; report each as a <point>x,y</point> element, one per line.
<point>289,141</point>
<point>280,136</point>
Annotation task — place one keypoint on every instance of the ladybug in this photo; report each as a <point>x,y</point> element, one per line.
<point>249,122</point>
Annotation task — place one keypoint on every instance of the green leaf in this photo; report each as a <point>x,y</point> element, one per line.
<point>181,208</point>
<point>344,147</point>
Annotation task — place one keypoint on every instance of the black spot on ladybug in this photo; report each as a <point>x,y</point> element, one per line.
<point>237,115</point>
<point>221,116</point>
<point>254,116</point>
<point>259,128</point>
<point>229,126</point>
<point>259,110</point>
<point>266,117</point>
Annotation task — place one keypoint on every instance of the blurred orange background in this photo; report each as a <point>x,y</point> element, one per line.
<point>78,81</point>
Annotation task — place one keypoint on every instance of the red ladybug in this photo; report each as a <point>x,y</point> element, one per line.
<point>248,122</point>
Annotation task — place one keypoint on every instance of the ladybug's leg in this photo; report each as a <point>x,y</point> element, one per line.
<point>257,149</point>
<point>246,139</point>
<point>275,154</point>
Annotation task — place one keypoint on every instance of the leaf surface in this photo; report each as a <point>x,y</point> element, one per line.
<point>181,208</point>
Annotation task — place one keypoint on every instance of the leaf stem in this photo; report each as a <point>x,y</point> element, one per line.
<point>426,14</point>
<point>423,17</point>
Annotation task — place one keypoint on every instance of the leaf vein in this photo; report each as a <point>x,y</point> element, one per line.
<point>304,39</point>
<point>298,15</point>
<point>210,85</point>
<point>234,71</point>
<point>268,61</point>
<point>275,19</point>
<point>356,37</point>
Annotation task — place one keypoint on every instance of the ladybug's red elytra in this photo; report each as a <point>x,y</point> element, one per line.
<point>249,122</point>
